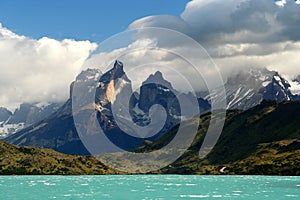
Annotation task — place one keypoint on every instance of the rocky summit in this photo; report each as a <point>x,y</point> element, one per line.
<point>248,88</point>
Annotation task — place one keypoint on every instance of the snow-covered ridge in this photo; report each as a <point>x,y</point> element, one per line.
<point>25,115</point>
<point>247,89</point>
<point>8,129</point>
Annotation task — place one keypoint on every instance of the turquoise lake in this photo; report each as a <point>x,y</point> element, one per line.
<point>149,187</point>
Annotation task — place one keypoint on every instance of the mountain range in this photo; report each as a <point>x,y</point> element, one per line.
<point>248,88</point>
<point>57,131</point>
<point>24,116</point>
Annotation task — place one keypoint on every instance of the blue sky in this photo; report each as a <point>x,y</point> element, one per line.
<point>94,20</point>
<point>260,34</point>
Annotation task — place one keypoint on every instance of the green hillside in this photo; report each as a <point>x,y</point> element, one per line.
<point>29,160</point>
<point>262,140</point>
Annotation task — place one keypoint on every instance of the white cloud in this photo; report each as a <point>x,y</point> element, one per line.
<point>150,53</point>
<point>280,2</point>
<point>38,70</point>
<point>165,21</point>
<point>238,34</point>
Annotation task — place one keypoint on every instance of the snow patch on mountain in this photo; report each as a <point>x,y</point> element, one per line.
<point>247,89</point>
<point>25,115</point>
<point>8,129</point>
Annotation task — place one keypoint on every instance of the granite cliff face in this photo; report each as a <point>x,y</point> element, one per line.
<point>115,94</point>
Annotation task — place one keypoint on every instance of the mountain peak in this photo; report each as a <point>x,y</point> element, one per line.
<point>248,88</point>
<point>116,72</point>
<point>157,78</point>
<point>118,65</point>
<point>158,74</point>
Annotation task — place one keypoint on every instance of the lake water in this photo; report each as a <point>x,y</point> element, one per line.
<point>149,187</point>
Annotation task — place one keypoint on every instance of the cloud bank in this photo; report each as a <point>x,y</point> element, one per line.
<point>238,34</point>
<point>38,70</point>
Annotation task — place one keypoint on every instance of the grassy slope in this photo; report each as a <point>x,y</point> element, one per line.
<point>262,140</point>
<point>29,160</point>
